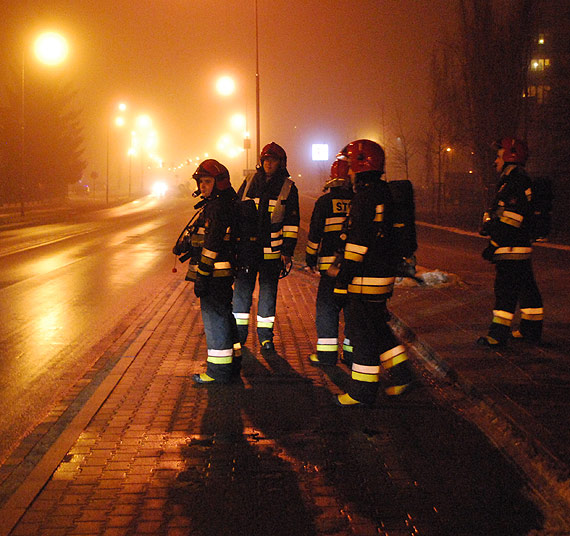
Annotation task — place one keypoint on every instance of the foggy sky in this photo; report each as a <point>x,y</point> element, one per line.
<point>329,71</point>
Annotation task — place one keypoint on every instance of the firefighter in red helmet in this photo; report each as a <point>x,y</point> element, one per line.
<point>270,253</point>
<point>207,240</point>
<point>508,226</point>
<point>366,280</point>
<point>324,245</point>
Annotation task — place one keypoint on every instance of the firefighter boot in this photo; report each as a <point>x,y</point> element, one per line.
<point>400,379</point>
<point>346,401</point>
<point>316,362</point>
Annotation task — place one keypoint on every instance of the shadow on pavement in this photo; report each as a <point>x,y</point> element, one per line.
<point>275,456</point>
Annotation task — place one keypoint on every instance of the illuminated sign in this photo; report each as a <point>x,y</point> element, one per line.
<point>320,151</point>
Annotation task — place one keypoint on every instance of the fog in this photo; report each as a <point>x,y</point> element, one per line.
<point>329,71</point>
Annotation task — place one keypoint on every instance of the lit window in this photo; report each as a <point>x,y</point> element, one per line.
<point>541,39</point>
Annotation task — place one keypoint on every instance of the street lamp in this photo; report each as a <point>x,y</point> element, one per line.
<point>50,48</point>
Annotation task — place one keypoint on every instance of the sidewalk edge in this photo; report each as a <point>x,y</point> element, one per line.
<point>16,506</point>
<point>547,474</point>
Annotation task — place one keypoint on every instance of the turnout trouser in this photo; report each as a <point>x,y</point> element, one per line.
<point>374,344</point>
<point>268,273</point>
<point>328,312</point>
<point>515,284</point>
<point>224,351</point>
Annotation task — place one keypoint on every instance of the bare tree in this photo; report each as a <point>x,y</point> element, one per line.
<point>480,78</point>
<point>403,149</point>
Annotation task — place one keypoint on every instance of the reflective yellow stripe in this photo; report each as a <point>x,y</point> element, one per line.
<point>327,345</point>
<point>371,285</point>
<point>396,389</point>
<point>356,248</point>
<point>394,357</point>
<point>265,322</point>
<point>290,231</point>
<point>242,319</point>
<point>220,357</point>
<point>350,256</point>
<point>513,253</point>
<point>312,248</point>
<point>511,218</point>
<point>379,213</point>
<point>535,314</point>
<point>502,317</point>
<point>325,262</point>
<point>370,378</point>
<point>209,253</point>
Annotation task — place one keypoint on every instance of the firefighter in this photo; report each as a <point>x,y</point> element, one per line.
<point>366,280</point>
<point>507,224</point>
<point>207,240</point>
<point>323,245</point>
<point>270,253</point>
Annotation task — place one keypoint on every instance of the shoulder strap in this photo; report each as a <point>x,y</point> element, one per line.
<point>279,212</point>
<point>248,181</point>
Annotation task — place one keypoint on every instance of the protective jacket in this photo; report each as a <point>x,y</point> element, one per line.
<point>510,249</point>
<point>508,226</point>
<point>210,237</point>
<point>277,202</point>
<point>369,265</point>
<point>324,241</point>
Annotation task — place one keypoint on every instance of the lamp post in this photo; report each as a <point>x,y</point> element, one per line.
<point>146,140</point>
<point>50,48</point>
<point>257,120</point>
<point>119,121</point>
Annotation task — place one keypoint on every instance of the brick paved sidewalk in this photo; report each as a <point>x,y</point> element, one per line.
<point>269,454</point>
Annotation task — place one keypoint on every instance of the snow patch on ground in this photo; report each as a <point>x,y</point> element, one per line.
<point>428,278</point>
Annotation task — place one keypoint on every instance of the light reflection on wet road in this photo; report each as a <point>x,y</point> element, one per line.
<point>63,287</point>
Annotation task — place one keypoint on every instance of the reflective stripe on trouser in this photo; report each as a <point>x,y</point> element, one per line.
<point>347,350</point>
<point>220,328</point>
<point>268,273</point>
<point>515,284</point>
<point>372,339</point>
<point>328,313</point>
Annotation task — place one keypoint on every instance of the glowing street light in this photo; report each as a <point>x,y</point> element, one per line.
<point>225,85</point>
<point>50,48</point>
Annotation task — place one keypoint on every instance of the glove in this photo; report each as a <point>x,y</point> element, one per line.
<point>182,246</point>
<point>488,253</point>
<point>202,286</point>
<point>407,267</point>
<point>484,229</point>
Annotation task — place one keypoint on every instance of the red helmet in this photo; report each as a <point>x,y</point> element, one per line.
<point>364,155</point>
<point>516,151</point>
<point>339,175</point>
<point>212,168</point>
<point>276,151</point>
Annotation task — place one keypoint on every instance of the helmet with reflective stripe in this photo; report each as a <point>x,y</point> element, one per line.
<point>339,175</point>
<point>364,155</point>
<point>275,151</point>
<point>516,151</point>
<point>212,168</point>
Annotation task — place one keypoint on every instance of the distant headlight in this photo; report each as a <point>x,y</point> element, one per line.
<point>159,189</point>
